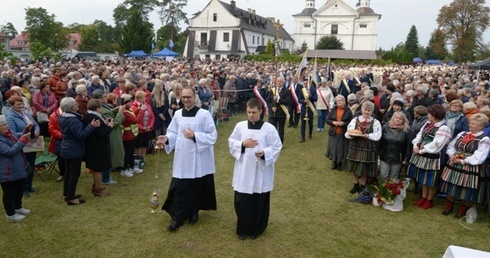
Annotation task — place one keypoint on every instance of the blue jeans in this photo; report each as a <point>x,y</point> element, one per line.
<point>106,176</point>
<point>322,116</point>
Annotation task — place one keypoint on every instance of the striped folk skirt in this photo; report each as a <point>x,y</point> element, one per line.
<point>465,182</point>
<point>425,169</point>
<point>362,158</point>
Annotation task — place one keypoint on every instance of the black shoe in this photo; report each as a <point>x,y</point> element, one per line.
<point>194,219</point>
<point>27,194</point>
<point>253,237</point>
<point>288,126</point>
<point>242,237</point>
<point>355,189</point>
<point>80,201</point>
<point>334,165</point>
<point>339,166</point>
<point>76,197</point>
<point>174,226</point>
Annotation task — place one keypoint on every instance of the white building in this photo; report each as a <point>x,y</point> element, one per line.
<point>356,28</point>
<point>223,30</point>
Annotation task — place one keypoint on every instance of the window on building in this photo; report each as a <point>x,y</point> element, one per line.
<point>335,29</point>
<point>263,39</point>
<point>226,37</point>
<point>307,25</point>
<point>253,39</point>
<point>363,25</point>
<point>215,17</point>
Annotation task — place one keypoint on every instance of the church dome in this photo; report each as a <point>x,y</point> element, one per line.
<point>365,10</point>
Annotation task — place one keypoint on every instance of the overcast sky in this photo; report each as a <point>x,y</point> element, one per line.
<point>397,15</point>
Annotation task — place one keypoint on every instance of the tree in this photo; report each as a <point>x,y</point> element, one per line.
<point>163,35</point>
<point>436,49</point>
<point>42,27</point>
<point>269,48</point>
<point>171,13</point>
<point>39,50</point>
<point>90,37</point>
<point>329,42</point>
<point>136,34</point>
<point>464,21</point>
<point>4,54</point>
<point>9,29</point>
<point>483,51</point>
<point>412,41</point>
<point>304,47</point>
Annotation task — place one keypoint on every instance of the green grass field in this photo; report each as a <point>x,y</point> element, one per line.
<point>310,216</point>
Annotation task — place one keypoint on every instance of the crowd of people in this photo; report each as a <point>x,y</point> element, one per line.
<point>429,123</point>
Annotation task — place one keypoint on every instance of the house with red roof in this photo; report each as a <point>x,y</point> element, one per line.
<point>21,42</point>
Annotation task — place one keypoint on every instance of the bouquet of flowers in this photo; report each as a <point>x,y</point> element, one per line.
<point>388,190</point>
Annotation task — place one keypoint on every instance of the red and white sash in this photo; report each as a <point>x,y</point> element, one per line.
<point>259,97</point>
<point>295,98</point>
<point>324,100</point>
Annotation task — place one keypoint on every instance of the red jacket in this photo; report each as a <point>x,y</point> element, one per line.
<point>135,106</point>
<point>53,80</point>
<point>130,120</point>
<point>37,103</point>
<point>54,130</point>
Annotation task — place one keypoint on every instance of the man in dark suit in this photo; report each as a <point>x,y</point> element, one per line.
<point>278,100</point>
<point>347,86</point>
<point>295,90</point>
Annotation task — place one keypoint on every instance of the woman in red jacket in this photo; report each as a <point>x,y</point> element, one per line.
<point>55,141</point>
<point>145,124</point>
<point>44,101</point>
<point>130,126</point>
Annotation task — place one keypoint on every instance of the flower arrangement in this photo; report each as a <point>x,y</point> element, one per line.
<point>388,190</point>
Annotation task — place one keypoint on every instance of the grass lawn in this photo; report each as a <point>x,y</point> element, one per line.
<point>310,216</point>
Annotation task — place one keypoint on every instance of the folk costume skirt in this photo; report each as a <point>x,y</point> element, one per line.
<point>425,169</point>
<point>362,158</point>
<point>465,182</point>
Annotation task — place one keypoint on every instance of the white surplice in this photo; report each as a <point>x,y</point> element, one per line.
<point>252,175</point>
<point>192,159</point>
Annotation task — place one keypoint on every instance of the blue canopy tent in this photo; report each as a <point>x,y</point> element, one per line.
<point>434,62</point>
<point>166,52</point>
<point>136,53</point>
<point>418,60</point>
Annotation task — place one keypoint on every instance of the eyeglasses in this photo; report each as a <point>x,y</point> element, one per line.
<point>187,97</point>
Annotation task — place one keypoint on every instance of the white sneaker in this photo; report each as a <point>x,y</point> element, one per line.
<point>126,173</point>
<point>137,170</point>
<point>16,217</point>
<point>22,211</point>
<point>111,182</point>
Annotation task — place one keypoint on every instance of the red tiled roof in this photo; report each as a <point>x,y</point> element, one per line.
<point>22,41</point>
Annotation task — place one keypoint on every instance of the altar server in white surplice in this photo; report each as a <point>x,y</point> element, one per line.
<point>255,145</point>
<point>191,134</point>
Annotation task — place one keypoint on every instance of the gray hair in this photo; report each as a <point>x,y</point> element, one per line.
<point>369,94</point>
<point>67,104</point>
<point>80,88</point>
<point>368,105</point>
<point>97,94</point>
<point>423,88</point>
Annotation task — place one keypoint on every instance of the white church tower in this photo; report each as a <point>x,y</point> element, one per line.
<point>364,3</point>
<point>356,27</point>
<point>310,4</point>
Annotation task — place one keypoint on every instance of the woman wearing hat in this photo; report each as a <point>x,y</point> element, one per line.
<point>398,106</point>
